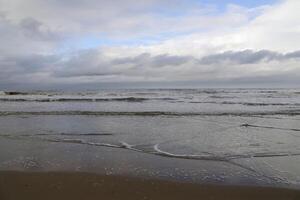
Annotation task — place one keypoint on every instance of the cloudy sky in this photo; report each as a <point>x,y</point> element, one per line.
<point>149,43</point>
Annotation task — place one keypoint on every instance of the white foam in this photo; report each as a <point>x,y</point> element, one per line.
<point>186,156</point>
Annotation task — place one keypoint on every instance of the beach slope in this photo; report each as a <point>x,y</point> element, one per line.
<point>63,185</point>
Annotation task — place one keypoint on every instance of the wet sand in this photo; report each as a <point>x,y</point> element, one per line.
<point>73,185</point>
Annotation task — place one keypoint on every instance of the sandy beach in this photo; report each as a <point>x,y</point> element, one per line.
<point>62,185</point>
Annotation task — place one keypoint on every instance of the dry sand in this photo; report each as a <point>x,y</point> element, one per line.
<point>62,185</point>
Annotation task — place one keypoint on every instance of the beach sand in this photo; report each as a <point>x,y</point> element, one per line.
<point>73,185</point>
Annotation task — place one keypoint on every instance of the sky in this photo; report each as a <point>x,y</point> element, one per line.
<point>55,44</point>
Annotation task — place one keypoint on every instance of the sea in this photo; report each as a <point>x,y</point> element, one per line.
<point>226,136</point>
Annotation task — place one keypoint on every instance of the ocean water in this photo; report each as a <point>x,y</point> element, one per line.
<point>242,135</point>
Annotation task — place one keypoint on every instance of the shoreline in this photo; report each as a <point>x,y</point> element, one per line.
<point>81,185</point>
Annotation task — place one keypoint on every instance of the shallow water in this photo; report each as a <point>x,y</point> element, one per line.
<point>248,136</point>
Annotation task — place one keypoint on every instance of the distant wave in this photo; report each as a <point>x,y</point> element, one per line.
<point>125,99</point>
<point>25,93</point>
<point>151,113</point>
<point>222,97</point>
<point>142,99</point>
<point>247,103</point>
<point>154,92</point>
<point>129,99</point>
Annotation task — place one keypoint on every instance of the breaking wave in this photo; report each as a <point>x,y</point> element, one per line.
<point>125,99</point>
<point>140,100</point>
<point>247,103</point>
<point>291,112</point>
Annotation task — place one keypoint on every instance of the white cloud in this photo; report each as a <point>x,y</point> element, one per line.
<point>195,42</point>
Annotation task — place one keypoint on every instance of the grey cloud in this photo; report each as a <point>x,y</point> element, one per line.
<point>132,60</point>
<point>146,59</point>
<point>18,66</point>
<point>94,64</point>
<point>32,30</point>
<point>29,62</point>
<point>86,74</point>
<point>84,63</point>
<point>36,62</point>
<point>232,57</point>
<point>165,60</point>
<point>247,57</point>
<point>295,54</point>
<point>26,37</point>
<point>120,19</point>
<point>37,30</point>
